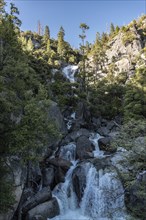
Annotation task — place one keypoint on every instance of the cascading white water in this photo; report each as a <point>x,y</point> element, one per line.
<point>94,139</point>
<point>68,152</point>
<point>70,121</point>
<point>69,72</point>
<point>64,193</point>
<point>103,196</point>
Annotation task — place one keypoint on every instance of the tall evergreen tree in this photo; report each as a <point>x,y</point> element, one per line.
<point>13,15</point>
<point>2,8</point>
<point>46,34</point>
<point>48,46</point>
<point>135,97</point>
<point>61,44</point>
<point>112,28</point>
<point>83,28</point>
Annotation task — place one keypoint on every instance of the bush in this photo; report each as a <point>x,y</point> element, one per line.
<point>128,38</point>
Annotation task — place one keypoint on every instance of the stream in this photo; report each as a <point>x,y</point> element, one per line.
<point>103,194</point>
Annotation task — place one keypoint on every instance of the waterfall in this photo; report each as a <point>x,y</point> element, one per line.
<point>103,195</point>
<point>68,152</point>
<point>70,120</point>
<point>94,139</point>
<point>69,72</point>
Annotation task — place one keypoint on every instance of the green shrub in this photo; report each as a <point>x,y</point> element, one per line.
<point>128,38</point>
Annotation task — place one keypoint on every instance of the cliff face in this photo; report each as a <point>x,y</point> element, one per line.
<point>126,51</point>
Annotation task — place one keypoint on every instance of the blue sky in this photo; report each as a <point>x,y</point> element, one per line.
<point>96,14</point>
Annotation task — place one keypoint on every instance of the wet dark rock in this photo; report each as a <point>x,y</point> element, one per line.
<point>105,144</point>
<point>37,217</point>
<point>45,210</point>
<point>96,122</point>
<point>40,197</point>
<point>59,162</point>
<point>48,176</point>
<point>83,146</point>
<point>72,137</point>
<point>103,131</point>
<point>100,163</point>
<point>79,181</point>
<point>59,176</point>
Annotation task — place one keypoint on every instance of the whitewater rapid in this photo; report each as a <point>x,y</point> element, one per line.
<point>103,196</point>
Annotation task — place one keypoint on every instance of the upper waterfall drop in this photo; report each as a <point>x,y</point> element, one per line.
<point>94,139</point>
<point>69,72</point>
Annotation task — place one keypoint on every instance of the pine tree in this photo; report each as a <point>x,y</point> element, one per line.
<point>135,97</point>
<point>61,44</point>
<point>48,46</point>
<point>104,37</point>
<point>2,8</point>
<point>83,28</point>
<point>99,57</point>
<point>13,15</point>
<point>46,36</point>
<point>117,29</point>
<point>112,29</point>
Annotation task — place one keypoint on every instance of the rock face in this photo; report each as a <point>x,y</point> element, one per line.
<point>72,137</point>
<point>48,176</point>
<point>79,180</point>
<point>44,211</point>
<point>84,148</point>
<point>59,162</point>
<point>17,176</point>
<point>119,49</point>
<point>58,168</point>
<point>124,51</point>
<point>55,114</point>
<point>40,197</point>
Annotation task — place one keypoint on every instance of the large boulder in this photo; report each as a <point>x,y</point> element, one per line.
<point>79,180</point>
<point>44,211</point>
<point>59,162</point>
<point>96,122</point>
<point>40,197</point>
<point>48,176</point>
<point>84,148</point>
<point>56,116</point>
<point>72,137</point>
<point>61,166</point>
<point>105,144</point>
<point>104,131</point>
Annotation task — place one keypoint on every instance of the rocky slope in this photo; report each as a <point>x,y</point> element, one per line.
<point>126,50</point>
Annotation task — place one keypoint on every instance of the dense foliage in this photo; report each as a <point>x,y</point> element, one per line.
<point>24,124</point>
